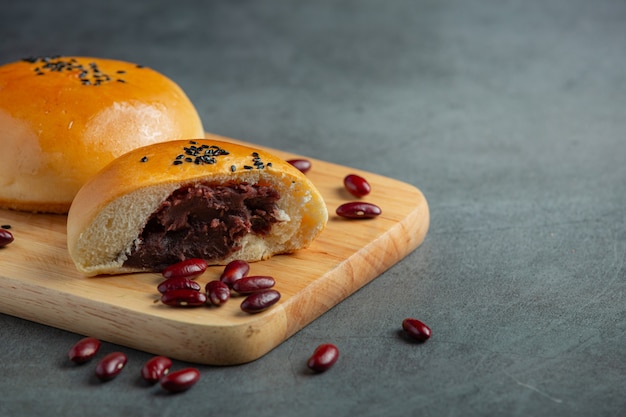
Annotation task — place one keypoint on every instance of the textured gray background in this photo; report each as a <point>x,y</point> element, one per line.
<point>510,116</point>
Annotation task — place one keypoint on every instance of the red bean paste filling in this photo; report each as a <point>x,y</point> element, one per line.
<point>203,221</point>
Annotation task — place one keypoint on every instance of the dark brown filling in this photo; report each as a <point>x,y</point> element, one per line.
<point>203,221</point>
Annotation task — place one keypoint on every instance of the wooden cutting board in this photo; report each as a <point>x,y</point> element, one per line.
<point>38,280</point>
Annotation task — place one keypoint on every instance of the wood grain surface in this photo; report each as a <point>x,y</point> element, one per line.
<point>39,282</point>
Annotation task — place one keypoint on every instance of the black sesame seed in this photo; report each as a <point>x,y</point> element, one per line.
<point>6,226</point>
<point>177,162</point>
<point>269,164</point>
<point>233,168</point>
<point>144,159</point>
<point>180,156</point>
<point>247,167</point>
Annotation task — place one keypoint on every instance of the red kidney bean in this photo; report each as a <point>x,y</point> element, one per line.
<point>357,185</point>
<point>84,350</point>
<point>416,329</point>
<point>155,368</point>
<point>178,283</point>
<point>184,298</point>
<point>6,237</point>
<point>180,380</point>
<point>323,357</point>
<point>111,365</point>
<point>217,292</point>
<point>248,285</point>
<point>189,268</point>
<point>233,271</point>
<point>260,301</point>
<point>303,165</point>
<point>358,210</point>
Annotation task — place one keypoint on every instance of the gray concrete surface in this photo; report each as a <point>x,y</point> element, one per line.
<point>509,115</point>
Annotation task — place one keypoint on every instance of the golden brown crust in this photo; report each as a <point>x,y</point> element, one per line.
<point>64,118</point>
<point>109,212</point>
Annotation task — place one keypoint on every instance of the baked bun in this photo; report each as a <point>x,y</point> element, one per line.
<point>167,202</point>
<point>64,118</point>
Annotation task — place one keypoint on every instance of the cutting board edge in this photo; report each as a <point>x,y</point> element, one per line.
<point>244,341</point>
<point>360,266</point>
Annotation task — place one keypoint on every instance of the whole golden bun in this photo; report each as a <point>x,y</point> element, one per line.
<point>64,118</point>
<point>110,212</point>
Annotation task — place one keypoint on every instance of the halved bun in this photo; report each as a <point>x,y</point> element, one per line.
<point>64,118</point>
<point>190,183</point>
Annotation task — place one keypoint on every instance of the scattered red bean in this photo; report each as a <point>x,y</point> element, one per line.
<point>248,285</point>
<point>6,237</point>
<point>84,350</point>
<point>155,368</point>
<point>217,292</point>
<point>303,165</point>
<point>233,271</point>
<point>178,283</point>
<point>180,380</point>
<point>357,185</point>
<point>416,329</point>
<point>323,357</point>
<point>358,210</point>
<point>189,268</point>
<point>260,301</point>
<point>184,298</point>
<point>111,365</point>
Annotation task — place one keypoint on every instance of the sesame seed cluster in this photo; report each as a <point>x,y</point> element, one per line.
<point>208,154</point>
<point>204,154</point>
<point>89,75</point>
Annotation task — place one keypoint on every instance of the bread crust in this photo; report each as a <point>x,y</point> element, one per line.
<point>112,208</point>
<point>64,118</point>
